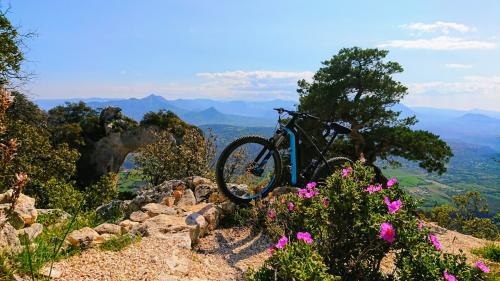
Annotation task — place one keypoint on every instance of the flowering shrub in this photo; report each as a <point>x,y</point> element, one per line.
<point>353,223</point>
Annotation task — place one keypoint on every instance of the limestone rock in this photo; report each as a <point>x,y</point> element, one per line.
<point>107,236</point>
<point>25,207</point>
<point>198,220</point>
<point>9,241</point>
<point>108,228</point>
<point>203,191</point>
<point>177,195</point>
<point>169,201</point>
<point>194,181</point>
<point>139,216</point>
<point>127,225</point>
<point>32,231</point>
<point>6,196</point>
<point>187,199</point>
<point>162,226</point>
<point>85,236</point>
<point>154,209</point>
<point>227,207</point>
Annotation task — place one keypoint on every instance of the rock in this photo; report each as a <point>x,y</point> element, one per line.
<point>85,236</point>
<point>177,195</point>
<point>54,273</point>
<point>195,181</point>
<point>210,212</point>
<point>187,199</point>
<point>139,216</point>
<point>169,201</point>
<point>127,225</point>
<point>203,191</point>
<point>14,219</point>
<point>107,236</point>
<point>154,209</point>
<point>6,196</point>
<point>24,212</point>
<point>199,220</point>
<point>162,226</point>
<point>108,228</point>
<point>9,242</point>
<point>113,209</point>
<point>32,231</point>
<point>227,207</point>
<point>284,189</point>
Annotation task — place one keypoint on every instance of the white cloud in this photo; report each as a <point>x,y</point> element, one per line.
<point>458,65</point>
<point>439,43</point>
<point>471,92</point>
<point>438,26</point>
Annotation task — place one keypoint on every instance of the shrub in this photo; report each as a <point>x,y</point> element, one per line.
<point>56,194</point>
<point>491,252</point>
<point>355,224</point>
<point>102,192</point>
<point>297,261</point>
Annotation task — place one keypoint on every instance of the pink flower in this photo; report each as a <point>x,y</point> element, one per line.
<point>302,192</point>
<point>311,185</point>
<point>346,172</point>
<point>306,236</point>
<point>391,182</point>
<point>290,206</point>
<point>271,214</point>
<point>420,225</point>
<point>435,242</point>
<point>282,200</point>
<point>374,188</point>
<point>387,232</point>
<point>482,266</point>
<point>449,277</point>
<point>325,202</point>
<point>282,242</point>
<point>393,206</point>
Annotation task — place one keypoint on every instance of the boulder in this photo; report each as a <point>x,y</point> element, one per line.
<point>127,225</point>
<point>139,216</point>
<point>210,212</point>
<point>108,228</point>
<point>227,207</point>
<point>85,237</point>
<point>169,201</point>
<point>162,226</point>
<point>177,195</point>
<point>107,236</point>
<point>203,191</point>
<point>194,181</point>
<point>9,242</point>
<point>14,219</point>
<point>6,196</point>
<point>198,220</point>
<point>154,209</point>
<point>187,199</point>
<point>32,231</point>
<point>24,212</point>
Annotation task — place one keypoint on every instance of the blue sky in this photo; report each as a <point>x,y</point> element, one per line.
<point>256,50</point>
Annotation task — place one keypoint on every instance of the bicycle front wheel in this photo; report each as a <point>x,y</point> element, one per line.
<point>248,168</point>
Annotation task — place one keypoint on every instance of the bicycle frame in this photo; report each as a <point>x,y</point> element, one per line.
<point>295,133</point>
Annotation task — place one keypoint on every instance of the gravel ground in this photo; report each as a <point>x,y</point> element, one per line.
<point>223,255</point>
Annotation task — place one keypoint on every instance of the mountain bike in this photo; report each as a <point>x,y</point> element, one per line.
<point>252,166</point>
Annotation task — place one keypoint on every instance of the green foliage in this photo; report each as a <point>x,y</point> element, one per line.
<point>167,120</point>
<point>57,194</point>
<point>120,242</point>
<point>11,55</point>
<point>357,86</point>
<point>102,192</point>
<point>166,159</point>
<point>491,252</point>
<point>298,262</point>
<point>445,215</point>
<point>346,229</point>
<point>481,228</point>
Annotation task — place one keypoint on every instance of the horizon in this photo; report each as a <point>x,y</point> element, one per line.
<point>257,51</point>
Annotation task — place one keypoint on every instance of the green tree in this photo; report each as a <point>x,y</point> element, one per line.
<point>357,87</point>
<point>11,55</point>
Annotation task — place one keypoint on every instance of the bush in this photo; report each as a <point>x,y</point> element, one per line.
<point>102,192</point>
<point>491,252</point>
<point>298,262</point>
<point>355,224</point>
<point>56,194</point>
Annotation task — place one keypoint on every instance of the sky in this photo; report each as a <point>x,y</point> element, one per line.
<point>255,50</point>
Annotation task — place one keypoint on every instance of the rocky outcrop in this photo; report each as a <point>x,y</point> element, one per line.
<point>9,242</point>
<point>24,213</point>
<point>83,237</point>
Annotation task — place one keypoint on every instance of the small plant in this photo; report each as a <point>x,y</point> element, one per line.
<point>120,242</point>
<point>491,252</point>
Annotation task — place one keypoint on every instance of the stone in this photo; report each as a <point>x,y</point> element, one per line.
<point>127,225</point>
<point>25,207</point>
<point>202,192</point>
<point>162,226</point>
<point>6,196</point>
<point>85,236</point>
<point>32,231</point>
<point>9,242</point>
<point>199,220</point>
<point>169,201</point>
<point>54,273</point>
<point>227,207</point>
<point>108,228</point>
<point>154,209</point>
<point>59,215</point>
<point>210,212</point>
<point>139,216</point>
<point>177,195</point>
<point>14,219</point>
<point>113,209</point>
<point>187,199</point>
<point>107,236</point>
<point>194,181</point>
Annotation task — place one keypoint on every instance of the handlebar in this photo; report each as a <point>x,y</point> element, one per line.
<point>298,114</point>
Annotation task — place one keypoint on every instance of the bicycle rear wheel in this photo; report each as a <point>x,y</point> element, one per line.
<point>248,168</point>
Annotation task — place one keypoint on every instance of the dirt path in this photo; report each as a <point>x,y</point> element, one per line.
<point>223,255</point>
